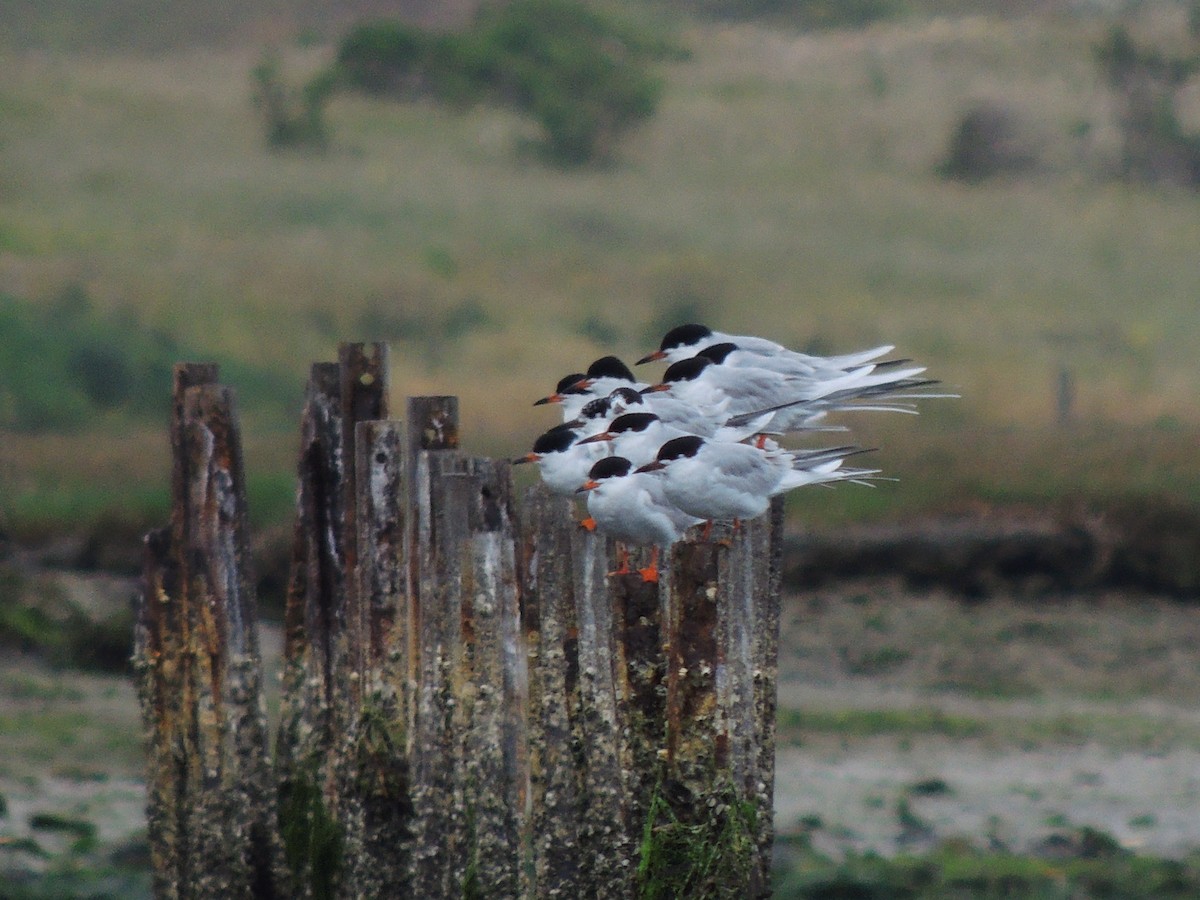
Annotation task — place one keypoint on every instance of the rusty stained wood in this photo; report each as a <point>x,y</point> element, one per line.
<point>306,735</point>
<point>200,676</point>
<point>642,645</point>
<point>720,682</point>
<point>159,671</point>
<point>695,742</point>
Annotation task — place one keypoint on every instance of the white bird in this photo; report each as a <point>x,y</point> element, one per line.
<point>798,401</point>
<point>603,376</point>
<point>562,460</point>
<point>704,385</point>
<point>632,507</point>
<point>684,341</point>
<point>720,481</point>
<point>636,436</point>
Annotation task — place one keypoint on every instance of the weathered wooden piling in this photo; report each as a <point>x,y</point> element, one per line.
<point>212,799</point>
<point>473,704</point>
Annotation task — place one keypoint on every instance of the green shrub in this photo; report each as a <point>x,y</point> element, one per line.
<point>292,118</point>
<point>384,57</point>
<point>582,75</point>
<point>1145,85</point>
<point>811,14</point>
<point>65,362</point>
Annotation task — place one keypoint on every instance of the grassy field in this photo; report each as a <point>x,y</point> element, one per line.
<point>787,187</point>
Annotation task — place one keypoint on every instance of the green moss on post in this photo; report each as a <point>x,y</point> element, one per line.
<point>712,856</point>
<point>312,839</point>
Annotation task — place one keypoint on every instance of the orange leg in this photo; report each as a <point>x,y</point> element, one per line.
<point>588,524</point>
<point>707,532</point>
<point>650,573</point>
<point>622,561</point>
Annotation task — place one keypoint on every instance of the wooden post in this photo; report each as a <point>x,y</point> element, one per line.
<point>711,817</point>
<point>491,689</point>
<point>551,640</point>
<point>212,810</point>
<point>441,531</point>
<point>363,384</point>
<point>596,705</point>
<point>375,804</point>
<point>432,425</point>
<point>768,588</point>
<point>326,624</point>
<point>609,830</point>
<point>312,838</point>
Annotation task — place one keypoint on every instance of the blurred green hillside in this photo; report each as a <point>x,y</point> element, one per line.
<point>787,186</point>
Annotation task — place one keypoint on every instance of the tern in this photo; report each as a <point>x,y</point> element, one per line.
<point>730,482</point>
<point>603,376</point>
<point>632,507</point>
<point>684,341</point>
<point>561,459</point>
<point>637,436</point>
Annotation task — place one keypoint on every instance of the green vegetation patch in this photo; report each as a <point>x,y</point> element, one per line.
<point>876,722</point>
<point>312,838</point>
<point>712,855</point>
<point>581,74</point>
<point>1097,867</point>
<point>65,362</point>
<point>68,363</point>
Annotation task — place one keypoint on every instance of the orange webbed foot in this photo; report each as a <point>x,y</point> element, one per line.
<point>588,524</point>
<point>649,574</point>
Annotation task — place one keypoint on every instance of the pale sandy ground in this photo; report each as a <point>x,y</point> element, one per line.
<point>1083,711</point>
<point>1037,713</point>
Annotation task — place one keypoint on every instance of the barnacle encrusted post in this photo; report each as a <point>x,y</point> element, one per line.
<point>212,809</point>
<point>708,830</point>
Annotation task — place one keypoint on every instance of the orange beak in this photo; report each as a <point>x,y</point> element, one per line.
<point>588,486</point>
<point>596,438</point>
<point>651,467</point>
<point>651,357</point>
<point>527,458</point>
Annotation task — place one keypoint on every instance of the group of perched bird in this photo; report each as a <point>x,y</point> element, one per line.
<point>700,445</point>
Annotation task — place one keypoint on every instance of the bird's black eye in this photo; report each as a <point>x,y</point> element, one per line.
<point>685,336</point>
<point>679,447</point>
<point>686,369</point>
<point>610,467</point>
